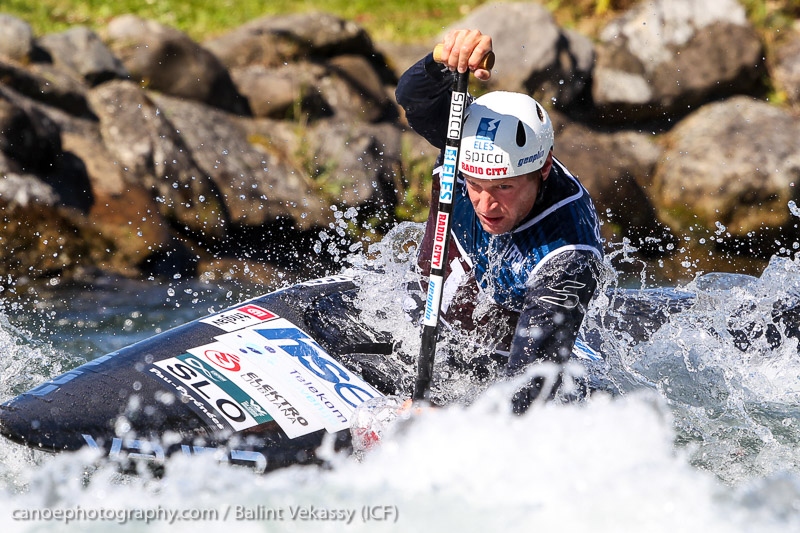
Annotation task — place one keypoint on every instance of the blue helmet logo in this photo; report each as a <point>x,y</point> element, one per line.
<point>487,128</point>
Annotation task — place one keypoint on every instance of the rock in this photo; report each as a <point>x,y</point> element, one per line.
<point>731,169</point>
<point>286,92</point>
<point>117,219</point>
<point>47,84</point>
<point>152,151</point>
<point>36,238</point>
<point>8,165</point>
<point>401,56</point>
<point>616,169</point>
<point>27,135</point>
<point>360,163</point>
<point>125,222</point>
<point>786,72</point>
<point>359,94</point>
<point>164,59</point>
<point>534,55</point>
<point>355,166</point>
<point>345,87</point>
<point>16,39</point>
<point>81,51</point>
<point>19,191</point>
<point>666,57</point>
<point>272,41</point>
<point>256,179</point>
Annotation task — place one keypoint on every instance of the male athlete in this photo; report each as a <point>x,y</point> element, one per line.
<point>525,245</point>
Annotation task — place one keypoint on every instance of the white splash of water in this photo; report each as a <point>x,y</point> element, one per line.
<point>703,438</point>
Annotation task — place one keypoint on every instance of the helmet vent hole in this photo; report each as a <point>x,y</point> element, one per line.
<point>522,137</point>
<point>540,111</point>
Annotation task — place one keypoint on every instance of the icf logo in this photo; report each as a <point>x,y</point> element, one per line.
<point>226,361</point>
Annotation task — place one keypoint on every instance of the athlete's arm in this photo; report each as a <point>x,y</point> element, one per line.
<point>424,93</point>
<point>555,303</point>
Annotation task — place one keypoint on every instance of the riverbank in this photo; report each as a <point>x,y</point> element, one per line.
<point>135,149</point>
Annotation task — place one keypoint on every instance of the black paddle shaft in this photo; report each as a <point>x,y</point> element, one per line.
<point>443,221</point>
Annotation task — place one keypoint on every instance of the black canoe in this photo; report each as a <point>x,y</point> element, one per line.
<point>260,384</point>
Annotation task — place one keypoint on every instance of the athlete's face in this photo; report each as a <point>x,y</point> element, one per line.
<point>502,204</point>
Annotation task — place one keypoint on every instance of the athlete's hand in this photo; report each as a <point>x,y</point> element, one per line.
<point>376,416</point>
<point>465,49</point>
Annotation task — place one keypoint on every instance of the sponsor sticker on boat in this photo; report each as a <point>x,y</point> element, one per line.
<point>323,388</point>
<point>210,393</point>
<point>266,392</point>
<point>240,317</point>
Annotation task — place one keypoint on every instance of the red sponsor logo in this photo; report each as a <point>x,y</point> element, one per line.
<point>227,361</point>
<point>257,312</point>
<point>471,169</point>
<point>438,240</point>
<point>441,227</point>
<point>499,171</point>
<point>480,171</point>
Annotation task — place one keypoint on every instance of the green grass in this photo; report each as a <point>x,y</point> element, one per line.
<point>385,20</point>
<point>395,20</point>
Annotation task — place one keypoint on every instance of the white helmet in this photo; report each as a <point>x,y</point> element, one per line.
<point>505,134</point>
